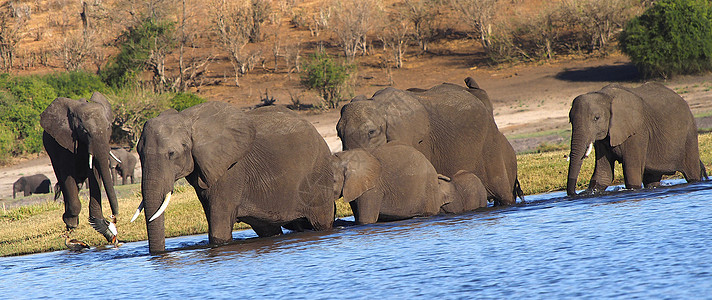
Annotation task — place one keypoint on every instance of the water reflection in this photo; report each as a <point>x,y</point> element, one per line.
<point>620,244</point>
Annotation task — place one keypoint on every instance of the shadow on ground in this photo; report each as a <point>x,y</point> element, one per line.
<point>619,73</point>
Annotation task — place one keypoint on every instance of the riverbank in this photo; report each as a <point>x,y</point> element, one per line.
<point>37,227</point>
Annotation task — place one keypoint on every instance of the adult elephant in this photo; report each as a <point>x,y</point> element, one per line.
<point>395,182</point>
<point>649,130</point>
<point>449,124</point>
<point>76,138</point>
<point>123,165</point>
<point>33,184</point>
<point>267,167</point>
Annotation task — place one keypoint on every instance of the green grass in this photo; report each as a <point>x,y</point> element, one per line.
<point>37,228</point>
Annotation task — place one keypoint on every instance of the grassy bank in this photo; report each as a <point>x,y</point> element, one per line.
<point>37,228</point>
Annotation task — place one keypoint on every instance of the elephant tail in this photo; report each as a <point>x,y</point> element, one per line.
<point>518,193</point>
<point>703,171</point>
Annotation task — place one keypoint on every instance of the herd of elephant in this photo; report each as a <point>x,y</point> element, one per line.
<point>406,153</point>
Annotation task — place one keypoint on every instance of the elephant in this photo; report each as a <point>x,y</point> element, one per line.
<point>267,167</point>
<point>453,126</point>
<point>395,182</point>
<point>123,165</point>
<point>649,129</point>
<point>76,138</point>
<point>33,184</point>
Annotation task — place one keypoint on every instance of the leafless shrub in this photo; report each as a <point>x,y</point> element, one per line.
<point>351,22</point>
<point>395,36</point>
<point>261,11</point>
<point>425,16</point>
<point>599,20</point>
<point>11,31</point>
<point>479,16</point>
<point>233,26</point>
<point>320,21</point>
<point>75,50</point>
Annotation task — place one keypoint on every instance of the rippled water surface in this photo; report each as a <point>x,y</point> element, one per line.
<point>647,244</point>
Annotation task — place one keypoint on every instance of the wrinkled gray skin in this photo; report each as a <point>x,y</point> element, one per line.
<point>649,130</point>
<point>461,193</point>
<point>33,184</point>
<point>396,182</point>
<point>267,167</point>
<point>125,169</point>
<point>451,125</point>
<point>74,130</point>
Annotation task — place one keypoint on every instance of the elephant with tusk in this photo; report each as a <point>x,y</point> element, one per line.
<point>267,167</point>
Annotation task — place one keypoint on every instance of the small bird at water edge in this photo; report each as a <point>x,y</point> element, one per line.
<point>74,244</point>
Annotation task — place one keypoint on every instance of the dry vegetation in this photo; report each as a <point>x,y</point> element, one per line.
<point>216,46</point>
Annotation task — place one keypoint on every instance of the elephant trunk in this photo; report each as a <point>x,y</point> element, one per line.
<point>580,148</point>
<point>101,162</point>
<point>156,195</point>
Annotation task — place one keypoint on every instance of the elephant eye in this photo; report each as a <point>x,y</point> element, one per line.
<point>596,118</point>
<point>371,133</point>
<point>171,154</point>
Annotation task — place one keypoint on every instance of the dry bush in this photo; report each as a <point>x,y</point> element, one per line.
<point>395,35</point>
<point>351,21</point>
<point>12,28</point>
<point>479,15</point>
<point>425,16</point>
<point>233,25</point>
<point>599,20</point>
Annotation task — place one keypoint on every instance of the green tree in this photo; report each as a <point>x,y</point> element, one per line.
<point>672,37</point>
<point>328,77</point>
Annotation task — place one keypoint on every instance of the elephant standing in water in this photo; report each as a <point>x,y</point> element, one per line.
<point>649,130</point>
<point>267,167</point>
<point>452,126</point>
<point>33,184</point>
<point>395,182</point>
<point>122,166</point>
<point>76,137</point>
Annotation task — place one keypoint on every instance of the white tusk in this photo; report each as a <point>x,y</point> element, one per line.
<point>588,151</point>
<point>162,208</point>
<point>114,156</point>
<point>138,211</point>
<point>91,158</point>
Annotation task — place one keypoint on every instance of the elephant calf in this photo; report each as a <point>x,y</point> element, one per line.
<point>395,182</point>
<point>33,184</point>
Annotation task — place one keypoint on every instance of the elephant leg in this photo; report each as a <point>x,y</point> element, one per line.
<point>27,192</point>
<point>322,217</point>
<point>633,175</point>
<point>265,229</point>
<point>652,179</point>
<point>367,207</point>
<point>72,205</point>
<point>603,170</point>
<point>692,168</point>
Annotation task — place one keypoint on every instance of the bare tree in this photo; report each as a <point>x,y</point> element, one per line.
<point>599,19</point>
<point>425,16</point>
<point>351,21</point>
<point>479,15</point>
<point>232,22</point>
<point>12,26</point>
<point>396,35</point>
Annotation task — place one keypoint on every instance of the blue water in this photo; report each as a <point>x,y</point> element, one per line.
<point>651,244</point>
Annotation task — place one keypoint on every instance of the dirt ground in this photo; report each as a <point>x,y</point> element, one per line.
<point>527,98</point>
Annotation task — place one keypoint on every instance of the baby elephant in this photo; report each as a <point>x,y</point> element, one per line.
<point>394,182</point>
<point>34,184</point>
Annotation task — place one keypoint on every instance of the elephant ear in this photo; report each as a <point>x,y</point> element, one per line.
<point>101,99</point>
<point>626,114</point>
<point>361,173</point>
<point>55,121</point>
<point>407,120</point>
<point>221,136</point>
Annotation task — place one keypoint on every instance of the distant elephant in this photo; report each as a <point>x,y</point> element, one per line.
<point>76,137</point>
<point>452,126</point>
<point>395,182</point>
<point>33,184</point>
<point>267,167</point>
<point>124,167</point>
<point>649,130</point>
